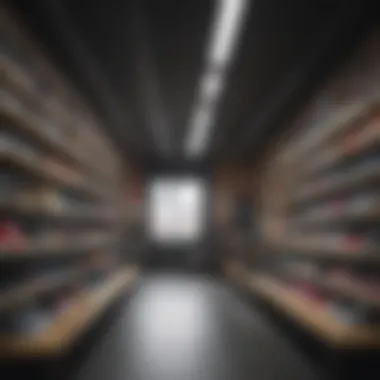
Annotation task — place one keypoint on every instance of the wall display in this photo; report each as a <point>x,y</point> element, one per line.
<point>319,212</point>
<point>61,206</point>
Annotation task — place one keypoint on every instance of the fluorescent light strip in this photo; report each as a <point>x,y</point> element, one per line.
<point>198,134</point>
<point>228,23</point>
<point>225,31</point>
<point>211,86</point>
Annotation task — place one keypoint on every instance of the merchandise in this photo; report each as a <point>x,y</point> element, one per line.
<point>29,320</point>
<point>10,143</point>
<point>362,202</point>
<point>98,264</point>
<point>358,141</point>
<point>353,242</point>
<point>8,183</point>
<point>11,237</point>
<point>39,198</point>
<point>344,314</point>
<point>67,298</point>
<point>310,292</point>
<point>373,237</point>
<point>354,312</point>
<point>52,270</point>
<point>46,246</point>
<point>61,170</point>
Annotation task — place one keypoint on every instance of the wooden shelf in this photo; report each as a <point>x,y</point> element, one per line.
<point>350,289</point>
<point>71,214</point>
<point>341,286</point>
<point>32,288</point>
<point>358,177</point>
<point>56,143</point>
<point>52,250</point>
<point>68,325</point>
<point>311,249</point>
<point>318,320</point>
<point>37,168</point>
<point>338,157</point>
<point>30,123</point>
<point>360,216</point>
<point>341,123</point>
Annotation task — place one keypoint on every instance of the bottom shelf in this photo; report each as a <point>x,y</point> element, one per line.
<point>69,324</point>
<point>320,321</point>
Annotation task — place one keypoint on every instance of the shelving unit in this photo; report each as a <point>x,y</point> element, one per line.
<point>17,208</point>
<point>317,319</point>
<point>30,289</point>
<point>44,172</point>
<point>53,249</point>
<point>341,286</point>
<point>346,182</point>
<point>324,250</point>
<point>69,324</point>
<point>359,112</point>
<point>319,214</point>
<point>28,123</point>
<point>324,271</point>
<point>62,205</point>
<point>346,216</point>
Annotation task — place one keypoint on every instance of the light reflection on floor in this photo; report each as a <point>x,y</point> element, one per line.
<point>174,329</point>
<point>189,327</point>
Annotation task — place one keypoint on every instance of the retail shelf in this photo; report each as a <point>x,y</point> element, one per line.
<point>38,168</point>
<point>370,213</point>
<point>69,324</point>
<point>351,289</point>
<point>336,157</point>
<point>69,214</point>
<point>53,249</point>
<point>346,287</point>
<point>353,179</point>
<point>28,122</point>
<point>65,182</point>
<point>325,325</point>
<point>342,122</point>
<point>33,125</point>
<point>320,249</point>
<point>32,288</point>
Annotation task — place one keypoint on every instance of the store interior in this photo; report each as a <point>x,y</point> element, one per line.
<point>189,190</point>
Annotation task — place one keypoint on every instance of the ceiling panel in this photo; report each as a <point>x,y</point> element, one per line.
<point>140,62</point>
<point>279,35</point>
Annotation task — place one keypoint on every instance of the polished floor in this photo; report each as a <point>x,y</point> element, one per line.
<point>190,327</point>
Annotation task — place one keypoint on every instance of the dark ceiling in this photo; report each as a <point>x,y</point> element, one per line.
<point>139,63</point>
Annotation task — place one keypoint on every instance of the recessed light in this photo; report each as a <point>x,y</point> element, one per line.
<point>225,30</point>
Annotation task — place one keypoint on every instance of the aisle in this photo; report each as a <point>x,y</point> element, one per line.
<point>191,327</point>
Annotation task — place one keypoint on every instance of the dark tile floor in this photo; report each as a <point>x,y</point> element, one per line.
<point>182,327</point>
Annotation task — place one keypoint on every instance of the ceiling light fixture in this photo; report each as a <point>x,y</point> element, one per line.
<point>211,86</point>
<point>225,30</point>
<point>198,134</point>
